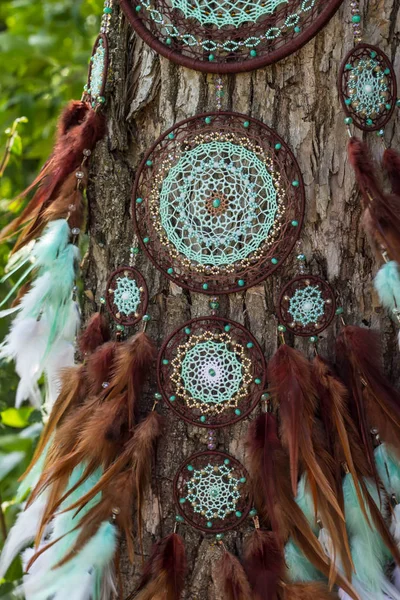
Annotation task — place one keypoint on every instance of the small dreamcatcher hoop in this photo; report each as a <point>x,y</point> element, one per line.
<point>212,492</point>
<point>126,296</point>
<point>98,69</point>
<point>218,202</point>
<point>367,87</point>
<point>228,36</point>
<point>211,372</point>
<point>306,305</point>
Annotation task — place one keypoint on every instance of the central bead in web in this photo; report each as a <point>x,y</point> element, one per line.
<point>217,204</point>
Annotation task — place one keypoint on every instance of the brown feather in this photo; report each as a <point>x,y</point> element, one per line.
<point>292,387</point>
<point>264,564</point>
<point>99,367</point>
<point>164,573</point>
<point>306,591</point>
<point>391,164</point>
<point>231,579</point>
<point>96,333</point>
<point>384,210</point>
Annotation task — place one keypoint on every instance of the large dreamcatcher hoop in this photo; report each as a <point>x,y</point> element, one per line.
<point>230,36</point>
<point>211,372</point>
<point>367,87</point>
<point>212,492</point>
<point>218,202</point>
<point>306,305</point>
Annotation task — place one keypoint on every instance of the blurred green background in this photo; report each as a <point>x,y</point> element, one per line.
<point>45,46</point>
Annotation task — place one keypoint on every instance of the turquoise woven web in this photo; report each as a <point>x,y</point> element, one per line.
<point>307,305</point>
<point>213,491</point>
<point>367,87</point>
<point>226,12</point>
<point>126,296</point>
<point>218,203</point>
<point>97,70</point>
<point>211,372</point>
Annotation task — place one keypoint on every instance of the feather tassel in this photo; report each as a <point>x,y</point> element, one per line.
<point>264,564</point>
<point>307,591</point>
<point>387,284</point>
<point>391,164</point>
<point>230,578</point>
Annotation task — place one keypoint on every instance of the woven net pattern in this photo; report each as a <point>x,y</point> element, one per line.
<point>306,305</point>
<point>126,295</point>
<point>231,31</point>
<point>217,204</point>
<point>368,87</point>
<point>211,490</point>
<point>211,372</point>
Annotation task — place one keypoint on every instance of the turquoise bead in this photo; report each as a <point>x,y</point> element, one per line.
<point>348,67</point>
<point>146,318</point>
<point>250,344</point>
<point>217,203</point>
<point>205,286</point>
<point>398,102</point>
<point>253,512</point>
<point>265,396</point>
<point>157,396</point>
<point>238,514</point>
<point>168,41</point>
<point>246,124</point>
<point>348,120</point>
<point>370,122</point>
<point>295,183</point>
<point>172,398</point>
<point>227,328</point>
<point>219,536</point>
<point>274,261</point>
<point>297,29</point>
<point>146,240</point>
<point>227,461</point>
<point>208,120</point>
<point>339,310</point>
<point>242,480</point>
<point>257,380</point>
<point>373,54</point>
<point>238,412</point>
<point>138,8</point>
<point>253,53</point>
<point>179,519</point>
<point>388,106</point>
<point>187,330</point>
<point>202,419</point>
<point>139,200</point>
<point>295,223</point>
<point>171,136</point>
<point>170,271</point>
<point>190,468</point>
<point>313,339</point>
<point>212,372</point>
<point>278,146</point>
<point>149,163</point>
<point>387,71</point>
<point>182,500</point>
<point>209,524</point>
<point>107,10</point>
<point>281,328</point>
<point>211,57</point>
<point>241,282</point>
<point>165,361</point>
<point>356,18</point>
<point>347,101</point>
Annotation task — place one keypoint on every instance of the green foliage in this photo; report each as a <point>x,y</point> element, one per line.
<point>45,46</point>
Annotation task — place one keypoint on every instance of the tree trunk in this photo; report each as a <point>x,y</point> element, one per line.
<point>298,98</point>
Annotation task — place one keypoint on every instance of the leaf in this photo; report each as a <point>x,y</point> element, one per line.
<point>16,145</point>
<point>16,417</point>
<point>8,462</point>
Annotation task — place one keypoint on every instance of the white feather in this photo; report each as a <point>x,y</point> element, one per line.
<point>109,586</point>
<point>61,356</point>
<point>22,533</point>
<point>396,577</point>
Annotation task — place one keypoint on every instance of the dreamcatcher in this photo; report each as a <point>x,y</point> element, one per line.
<point>227,37</point>
<point>218,202</point>
<point>367,89</point>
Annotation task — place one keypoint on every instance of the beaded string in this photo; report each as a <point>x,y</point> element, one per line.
<point>356,21</point>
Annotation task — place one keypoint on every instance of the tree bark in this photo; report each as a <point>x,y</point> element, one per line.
<point>298,98</point>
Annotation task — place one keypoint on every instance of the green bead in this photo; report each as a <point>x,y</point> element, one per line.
<point>214,305</point>
<point>380,133</point>
<point>347,101</point>
<point>139,200</point>
<point>157,396</point>
<point>356,18</point>
<point>227,328</point>
<point>274,261</point>
<point>101,99</point>
<point>216,203</point>
<point>339,310</point>
<point>295,223</point>
<point>212,372</point>
<point>170,271</point>
<point>102,300</point>
<point>172,398</point>
<point>238,514</point>
<point>370,122</point>
<point>246,124</point>
<point>190,468</point>
<point>398,102</point>
<point>211,57</point>
<point>238,412</point>
<point>257,380</point>
<point>297,29</point>
<point>295,183</point>
<point>250,345</point>
<point>146,318</point>
<point>253,53</point>
<point>387,71</point>
<point>241,282</point>
<point>182,500</point>
<point>107,10</point>
<point>313,339</point>
<point>149,163</point>
<point>373,54</point>
<point>135,250</point>
<point>209,524</point>
<point>348,120</point>
<point>179,519</point>
<point>171,136</point>
<point>165,361</point>
<point>187,330</point>
<point>203,419</point>
<point>227,461</point>
<point>208,120</point>
<point>205,286</point>
<point>242,480</point>
<point>146,240</point>
<point>281,328</point>
<point>219,536</point>
<point>388,106</point>
<point>265,396</point>
<point>138,8</point>
<point>168,41</point>
<point>253,512</point>
<point>120,328</point>
<point>278,146</point>
<point>301,257</point>
<point>348,67</point>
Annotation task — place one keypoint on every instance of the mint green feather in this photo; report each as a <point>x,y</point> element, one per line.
<point>305,502</point>
<point>387,284</point>
<point>299,567</point>
<point>368,550</point>
<point>388,469</point>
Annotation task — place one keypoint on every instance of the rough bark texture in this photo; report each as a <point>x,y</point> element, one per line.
<point>297,97</point>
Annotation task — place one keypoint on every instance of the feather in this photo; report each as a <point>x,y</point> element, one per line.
<point>22,533</point>
<point>387,284</point>
<point>164,573</point>
<point>384,215</point>
<point>292,387</point>
<point>307,591</point>
<point>391,164</point>
<point>96,333</point>
<point>264,564</point>
<point>299,567</point>
<point>230,578</point>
